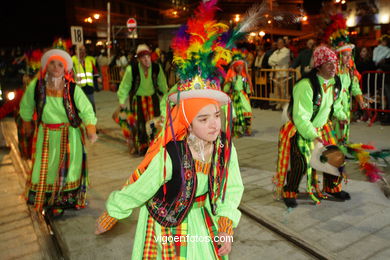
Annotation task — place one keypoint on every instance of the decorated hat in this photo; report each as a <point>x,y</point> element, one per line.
<point>57,54</point>
<point>62,44</point>
<point>322,55</point>
<point>142,49</point>
<point>201,48</point>
<point>328,159</point>
<point>336,34</point>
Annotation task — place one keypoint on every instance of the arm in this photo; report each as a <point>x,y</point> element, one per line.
<point>227,86</point>
<point>272,61</point>
<point>227,211</point>
<point>338,110</point>
<point>125,86</point>
<point>356,87</point>
<point>27,105</point>
<point>162,81</point>
<point>86,112</point>
<point>120,204</point>
<point>303,109</point>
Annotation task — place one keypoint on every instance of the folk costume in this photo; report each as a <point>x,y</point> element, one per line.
<point>144,89</point>
<point>313,102</point>
<point>238,85</point>
<point>338,37</point>
<point>59,178</point>
<point>185,196</point>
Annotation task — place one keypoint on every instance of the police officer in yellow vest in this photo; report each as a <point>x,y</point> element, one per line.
<point>84,72</point>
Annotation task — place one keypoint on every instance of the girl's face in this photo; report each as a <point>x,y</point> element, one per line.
<point>56,68</point>
<point>207,123</point>
<point>346,57</point>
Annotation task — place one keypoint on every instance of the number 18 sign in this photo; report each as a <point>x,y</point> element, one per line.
<point>77,35</point>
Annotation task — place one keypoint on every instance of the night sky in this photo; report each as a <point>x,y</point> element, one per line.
<point>31,22</point>
<point>36,22</point>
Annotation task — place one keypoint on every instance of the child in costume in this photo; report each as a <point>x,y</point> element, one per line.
<point>238,85</point>
<point>338,37</point>
<point>58,179</point>
<point>189,183</point>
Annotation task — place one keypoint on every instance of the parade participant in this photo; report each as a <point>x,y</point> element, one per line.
<point>85,71</point>
<point>189,183</point>
<point>238,85</point>
<point>58,179</point>
<point>12,106</point>
<point>346,70</point>
<point>143,83</point>
<point>313,102</point>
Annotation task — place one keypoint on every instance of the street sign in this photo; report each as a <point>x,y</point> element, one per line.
<point>77,35</point>
<point>131,24</point>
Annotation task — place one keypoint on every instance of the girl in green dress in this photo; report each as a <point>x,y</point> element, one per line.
<point>58,178</point>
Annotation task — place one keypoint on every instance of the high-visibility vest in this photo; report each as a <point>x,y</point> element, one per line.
<point>84,76</point>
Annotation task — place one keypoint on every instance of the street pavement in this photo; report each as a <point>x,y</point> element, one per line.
<point>356,229</point>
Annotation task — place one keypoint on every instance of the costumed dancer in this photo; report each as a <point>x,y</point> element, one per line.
<point>313,102</point>
<point>337,34</point>
<point>59,168</point>
<point>238,85</point>
<point>189,183</point>
<point>143,83</point>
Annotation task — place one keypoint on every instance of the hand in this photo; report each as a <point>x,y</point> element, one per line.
<point>99,80</point>
<point>93,138</point>
<point>363,105</point>
<point>226,245</point>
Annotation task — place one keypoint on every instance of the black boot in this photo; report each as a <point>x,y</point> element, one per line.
<point>290,202</point>
<point>342,195</point>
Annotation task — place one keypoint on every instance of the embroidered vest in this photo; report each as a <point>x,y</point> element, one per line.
<point>170,211</point>
<point>68,99</point>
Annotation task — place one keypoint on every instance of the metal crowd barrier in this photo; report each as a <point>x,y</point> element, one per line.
<point>274,84</point>
<point>374,83</point>
<point>114,75</point>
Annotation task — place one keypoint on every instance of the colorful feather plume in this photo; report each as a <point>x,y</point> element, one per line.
<point>336,33</point>
<point>203,46</point>
<point>361,154</point>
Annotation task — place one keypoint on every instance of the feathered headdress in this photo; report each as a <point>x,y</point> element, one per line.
<point>62,44</point>
<point>203,46</point>
<point>336,34</point>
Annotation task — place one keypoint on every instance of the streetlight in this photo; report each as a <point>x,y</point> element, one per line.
<point>88,20</point>
<point>304,18</point>
<point>96,16</point>
<point>237,18</point>
<point>261,33</point>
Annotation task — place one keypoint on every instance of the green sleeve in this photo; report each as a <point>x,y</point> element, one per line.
<point>121,203</point>
<point>226,87</point>
<point>162,81</point>
<point>234,191</point>
<point>27,105</point>
<point>356,87</point>
<point>338,110</point>
<point>125,86</point>
<point>84,107</point>
<point>303,110</point>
